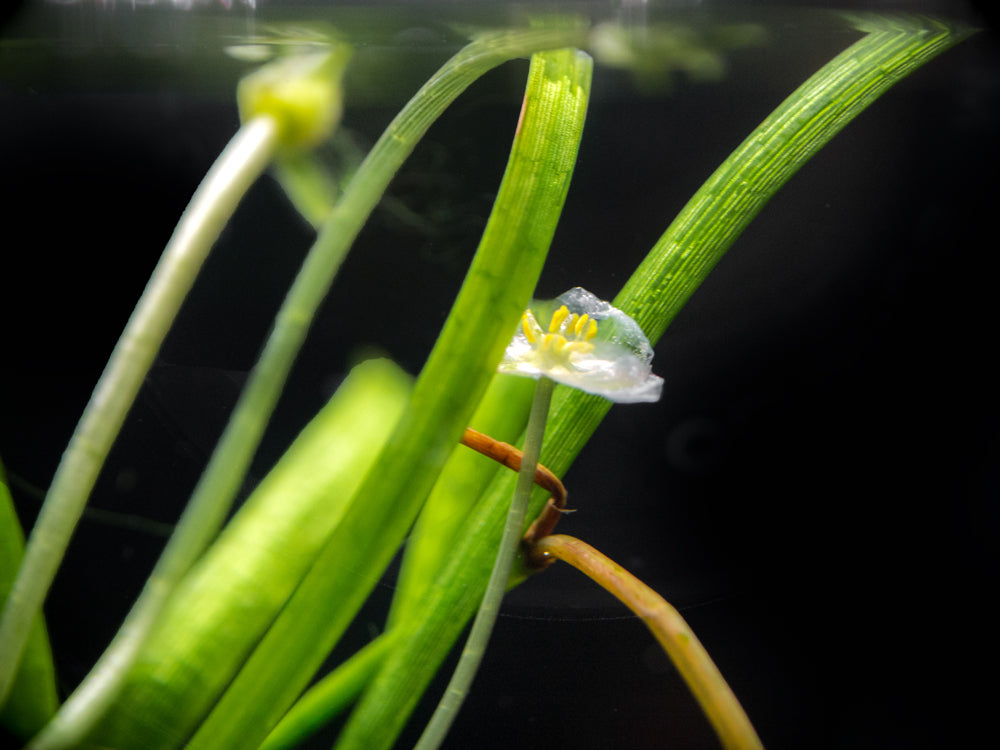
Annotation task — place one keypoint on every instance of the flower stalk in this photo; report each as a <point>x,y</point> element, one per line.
<point>695,666</point>
<point>482,627</point>
<point>674,268</point>
<point>237,167</point>
<point>269,124</point>
<point>616,366</point>
<point>450,385</point>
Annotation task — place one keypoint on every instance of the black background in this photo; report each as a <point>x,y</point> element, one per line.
<point>817,490</point>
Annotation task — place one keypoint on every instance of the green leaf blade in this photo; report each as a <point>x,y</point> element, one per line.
<point>32,700</point>
<point>452,383</point>
<point>230,597</point>
<point>656,292</point>
<point>526,210</point>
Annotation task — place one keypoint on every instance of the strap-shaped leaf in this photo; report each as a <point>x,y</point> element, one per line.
<point>674,268</point>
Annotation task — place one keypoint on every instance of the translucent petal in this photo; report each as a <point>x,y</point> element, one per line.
<point>619,367</point>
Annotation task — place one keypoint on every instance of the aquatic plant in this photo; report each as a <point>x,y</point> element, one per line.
<point>237,618</point>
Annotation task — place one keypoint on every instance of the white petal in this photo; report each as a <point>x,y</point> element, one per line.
<point>619,367</point>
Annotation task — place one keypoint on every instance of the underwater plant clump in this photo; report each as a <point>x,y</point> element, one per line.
<point>264,577</point>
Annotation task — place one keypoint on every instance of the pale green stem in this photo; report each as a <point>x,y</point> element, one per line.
<point>222,477</point>
<point>468,664</point>
<point>213,203</point>
<point>451,383</point>
<point>654,295</point>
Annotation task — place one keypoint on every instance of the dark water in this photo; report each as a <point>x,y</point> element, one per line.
<point>818,488</point>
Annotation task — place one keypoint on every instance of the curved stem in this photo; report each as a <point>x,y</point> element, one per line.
<point>509,456</point>
<point>482,627</point>
<point>213,203</point>
<point>853,79</point>
<point>714,695</point>
<point>222,477</point>
<point>334,692</point>
<point>451,383</point>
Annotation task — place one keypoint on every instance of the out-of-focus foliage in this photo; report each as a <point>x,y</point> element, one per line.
<point>655,54</point>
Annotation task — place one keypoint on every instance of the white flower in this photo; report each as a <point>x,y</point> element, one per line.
<point>589,345</point>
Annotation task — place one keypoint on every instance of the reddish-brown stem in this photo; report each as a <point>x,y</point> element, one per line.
<point>510,457</point>
<point>693,663</point>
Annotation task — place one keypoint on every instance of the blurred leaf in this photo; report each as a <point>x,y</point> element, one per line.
<point>495,292</point>
<point>234,592</point>
<point>313,180</point>
<point>502,415</point>
<point>655,53</point>
<point>32,700</point>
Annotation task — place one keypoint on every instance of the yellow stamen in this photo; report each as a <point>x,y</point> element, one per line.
<point>557,318</point>
<point>568,334</point>
<point>530,327</point>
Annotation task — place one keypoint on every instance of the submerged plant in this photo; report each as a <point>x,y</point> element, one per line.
<point>233,625</point>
